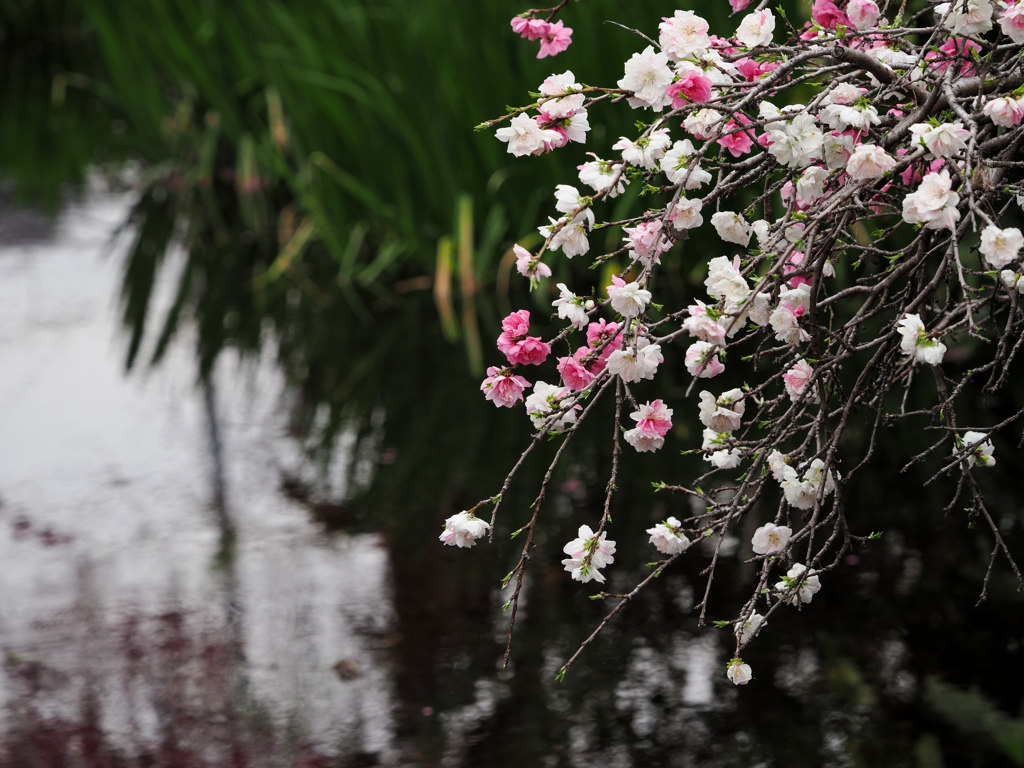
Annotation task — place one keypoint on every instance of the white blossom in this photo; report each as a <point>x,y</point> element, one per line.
<point>1000,246</point>
<point>980,454</point>
<point>668,538</point>
<point>463,529</point>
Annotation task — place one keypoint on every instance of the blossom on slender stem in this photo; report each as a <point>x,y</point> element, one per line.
<point>702,360</point>
<point>748,630</point>
<point>570,307</point>
<point>545,401</point>
<point>916,342</point>
<point>529,266</point>
<point>809,586</point>
<point>738,672</point>
<point>771,538</point>
<point>980,454</point>
<point>525,136</point>
<point>654,421</point>
<point>628,299</point>
<point>1000,246</point>
<point>588,553</point>
<point>756,29</point>
<point>502,387</point>
<point>668,538</point>
<point>518,347</point>
<point>463,529</point>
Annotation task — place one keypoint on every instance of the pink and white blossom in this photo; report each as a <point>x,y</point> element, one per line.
<point>588,553</point>
<point>525,136</point>
<point>683,35</point>
<point>685,213</point>
<point>796,379</point>
<point>463,529</point>
<point>563,86</point>
<point>628,299</point>
<point>738,672</point>
<point>946,140</point>
<point>756,29</point>
<point>1012,21</point>
<point>863,14</point>
<point>701,325</point>
<point>975,21</point>
<point>668,538</point>
<point>869,162</point>
<point>723,413</point>
<point>647,241</point>
<point>1004,112</point>
<point>702,360</point>
<point>528,266</point>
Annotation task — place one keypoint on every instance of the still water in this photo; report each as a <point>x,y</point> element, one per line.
<point>168,598</point>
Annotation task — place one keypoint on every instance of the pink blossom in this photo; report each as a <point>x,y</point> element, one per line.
<point>751,70</point>
<point>702,360</point>
<point>793,264</point>
<point>700,325</point>
<point>1012,22</point>
<point>827,15</point>
<point>528,266</point>
<point>691,86</point>
<point>738,143</point>
<point>597,333</point>
<point>647,241</point>
<point>574,374</point>
<point>722,44</point>
<point>519,348</point>
<point>556,38</point>
<point>1004,112</point>
<point>502,387</point>
<point>863,14</point>
<point>869,162</point>
<point>653,418</point>
<point>796,379</point>
<point>949,50</point>
<point>738,5</point>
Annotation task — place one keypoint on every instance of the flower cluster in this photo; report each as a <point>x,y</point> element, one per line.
<point>857,225</point>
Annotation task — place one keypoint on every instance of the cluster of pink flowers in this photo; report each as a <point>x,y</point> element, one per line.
<point>554,36</point>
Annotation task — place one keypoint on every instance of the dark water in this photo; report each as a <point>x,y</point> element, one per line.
<point>230,557</point>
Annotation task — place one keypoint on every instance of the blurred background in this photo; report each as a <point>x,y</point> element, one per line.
<point>253,258</point>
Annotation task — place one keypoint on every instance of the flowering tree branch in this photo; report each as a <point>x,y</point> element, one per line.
<point>877,204</point>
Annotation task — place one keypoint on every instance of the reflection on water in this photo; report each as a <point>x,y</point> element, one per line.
<point>118,601</point>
